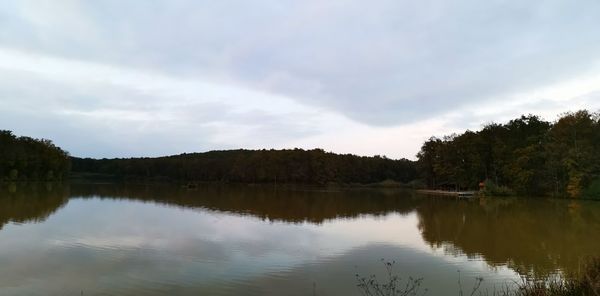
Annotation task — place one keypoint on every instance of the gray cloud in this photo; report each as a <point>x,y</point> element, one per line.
<point>388,62</point>
<point>382,64</point>
<point>104,120</point>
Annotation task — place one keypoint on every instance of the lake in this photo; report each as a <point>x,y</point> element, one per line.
<point>107,239</point>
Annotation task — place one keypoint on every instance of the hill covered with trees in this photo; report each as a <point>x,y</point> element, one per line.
<point>25,158</point>
<point>526,155</point>
<point>256,166</point>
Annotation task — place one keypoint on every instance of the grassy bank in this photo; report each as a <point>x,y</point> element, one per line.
<point>586,283</point>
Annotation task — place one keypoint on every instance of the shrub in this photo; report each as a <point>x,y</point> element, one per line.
<point>592,191</point>
<point>492,189</point>
<point>585,284</point>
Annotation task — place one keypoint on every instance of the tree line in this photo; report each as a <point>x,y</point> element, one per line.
<point>25,158</point>
<point>256,166</point>
<point>527,155</point>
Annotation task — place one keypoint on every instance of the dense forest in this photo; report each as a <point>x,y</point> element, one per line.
<point>24,158</point>
<point>256,166</point>
<point>526,156</point>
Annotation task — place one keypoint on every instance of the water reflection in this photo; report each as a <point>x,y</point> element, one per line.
<point>121,246</point>
<point>534,236</point>
<point>276,203</point>
<point>265,240</point>
<point>21,203</point>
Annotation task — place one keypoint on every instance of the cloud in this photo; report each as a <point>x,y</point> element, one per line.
<point>126,111</point>
<point>387,63</point>
<point>281,73</point>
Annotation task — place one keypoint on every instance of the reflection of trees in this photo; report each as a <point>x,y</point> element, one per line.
<point>532,236</point>
<point>35,202</point>
<point>267,202</point>
<point>30,202</point>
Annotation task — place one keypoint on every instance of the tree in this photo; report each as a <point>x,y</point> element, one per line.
<point>24,158</point>
<point>528,155</point>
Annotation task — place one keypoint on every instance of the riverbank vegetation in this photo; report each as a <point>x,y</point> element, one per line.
<point>257,166</point>
<point>587,283</point>
<point>527,156</point>
<point>25,158</point>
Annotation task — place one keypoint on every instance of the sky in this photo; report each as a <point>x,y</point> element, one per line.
<point>113,78</point>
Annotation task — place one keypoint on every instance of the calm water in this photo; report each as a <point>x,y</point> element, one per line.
<point>257,240</point>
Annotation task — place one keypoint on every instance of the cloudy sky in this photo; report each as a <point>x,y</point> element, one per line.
<point>113,78</point>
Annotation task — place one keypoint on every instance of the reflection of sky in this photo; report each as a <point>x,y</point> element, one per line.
<point>126,247</point>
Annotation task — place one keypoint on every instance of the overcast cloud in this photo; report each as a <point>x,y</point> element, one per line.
<point>134,78</point>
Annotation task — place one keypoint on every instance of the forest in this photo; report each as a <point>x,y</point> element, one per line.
<point>527,156</point>
<point>256,166</point>
<point>25,158</point>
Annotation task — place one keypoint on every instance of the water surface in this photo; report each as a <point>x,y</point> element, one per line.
<point>267,240</point>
